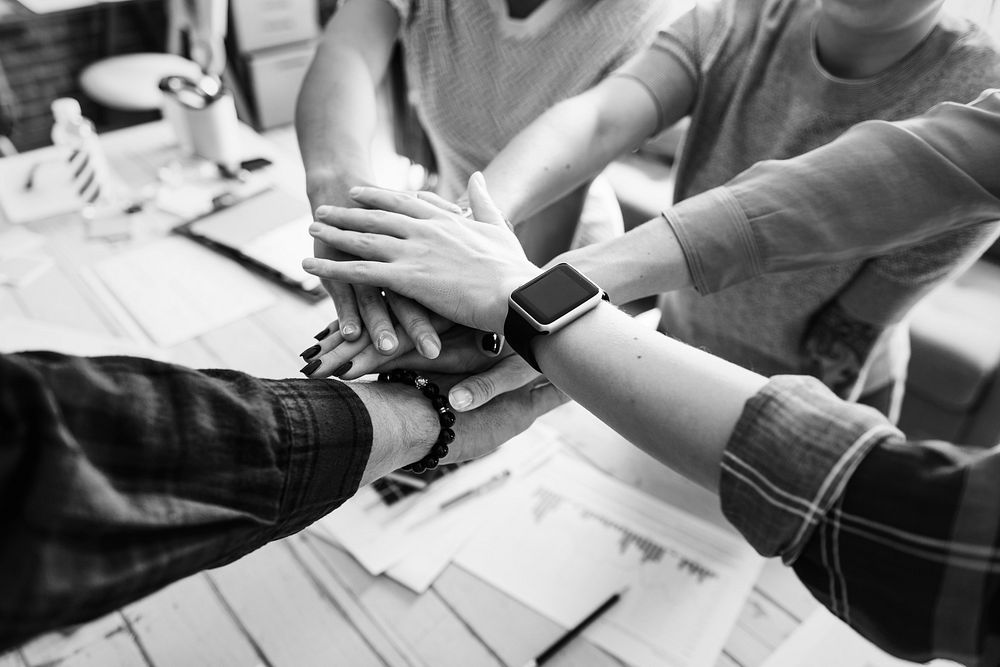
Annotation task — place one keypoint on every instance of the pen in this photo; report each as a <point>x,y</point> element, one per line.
<point>406,480</point>
<point>485,487</point>
<point>556,646</point>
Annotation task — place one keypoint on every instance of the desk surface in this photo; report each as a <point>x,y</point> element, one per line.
<point>302,601</point>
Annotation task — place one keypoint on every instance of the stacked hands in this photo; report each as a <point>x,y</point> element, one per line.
<point>446,279</point>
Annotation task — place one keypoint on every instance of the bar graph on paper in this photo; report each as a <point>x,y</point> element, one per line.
<point>574,536</point>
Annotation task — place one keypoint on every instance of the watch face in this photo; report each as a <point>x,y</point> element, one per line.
<point>554,293</point>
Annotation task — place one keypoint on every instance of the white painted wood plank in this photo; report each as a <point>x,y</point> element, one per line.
<point>187,624</point>
<point>291,622</point>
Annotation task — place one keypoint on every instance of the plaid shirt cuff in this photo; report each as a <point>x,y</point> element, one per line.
<point>790,456</point>
<point>329,448</point>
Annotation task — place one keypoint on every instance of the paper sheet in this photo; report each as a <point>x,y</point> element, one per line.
<point>573,536</point>
<point>414,540</point>
<point>824,641</point>
<point>18,334</point>
<point>51,192</point>
<point>176,290</point>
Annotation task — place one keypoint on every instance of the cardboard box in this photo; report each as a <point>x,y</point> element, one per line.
<point>263,24</point>
<point>275,78</point>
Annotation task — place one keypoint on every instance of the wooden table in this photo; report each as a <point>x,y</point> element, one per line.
<point>302,601</point>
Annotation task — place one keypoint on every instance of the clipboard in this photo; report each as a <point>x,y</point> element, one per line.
<point>266,232</point>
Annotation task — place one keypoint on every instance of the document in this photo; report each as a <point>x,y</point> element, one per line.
<point>267,231</point>
<point>414,539</point>
<point>823,640</point>
<point>36,186</point>
<point>573,536</point>
<point>176,290</point>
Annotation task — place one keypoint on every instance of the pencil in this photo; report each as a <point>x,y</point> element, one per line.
<point>556,646</point>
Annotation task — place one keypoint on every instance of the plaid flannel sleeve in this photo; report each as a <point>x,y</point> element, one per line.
<point>120,475</point>
<point>900,539</point>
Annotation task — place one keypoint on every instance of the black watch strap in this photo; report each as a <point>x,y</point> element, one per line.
<point>520,334</point>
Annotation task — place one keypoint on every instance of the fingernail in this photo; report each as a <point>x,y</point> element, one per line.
<point>387,342</point>
<point>322,334</point>
<point>491,343</point>
<point>429,347</point>
<point>343,368</point>
<point>349,330</point>
<point>310,264</point>
<point>460,398</point>
<point>323,210</point>
<point>311,367</point>
<point>315,227</point>
<point>355,191</point>
<point>310,353</point>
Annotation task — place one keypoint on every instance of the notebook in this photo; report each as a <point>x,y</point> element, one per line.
<point>267,232</point>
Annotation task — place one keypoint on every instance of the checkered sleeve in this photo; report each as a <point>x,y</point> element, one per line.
<point>793,450</point>
<point>900,539</point>
<point>119,476</point>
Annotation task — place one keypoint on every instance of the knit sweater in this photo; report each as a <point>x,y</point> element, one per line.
<point>477,76</point>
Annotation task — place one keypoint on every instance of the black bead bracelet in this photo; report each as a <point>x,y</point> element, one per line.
<point>445,416</point>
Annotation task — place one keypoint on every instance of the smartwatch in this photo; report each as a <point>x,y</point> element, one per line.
<point>546,304</point>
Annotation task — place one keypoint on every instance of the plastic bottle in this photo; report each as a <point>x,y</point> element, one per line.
<point>88,164</point>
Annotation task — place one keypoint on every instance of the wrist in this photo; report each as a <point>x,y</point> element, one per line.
<point>404,426</point>
<point>501,301</point>
<point>328,185</point>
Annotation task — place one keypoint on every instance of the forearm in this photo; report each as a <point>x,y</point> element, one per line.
<point>677,403</point>
<point>170,470</point>
<point>568,145</point>
<point>647,260</point>
<point>336,112</point>
<point>820,208</point>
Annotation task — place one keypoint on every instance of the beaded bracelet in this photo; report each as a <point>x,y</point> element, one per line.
<point>445,417</point>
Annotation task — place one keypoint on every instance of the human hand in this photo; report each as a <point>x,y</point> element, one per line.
<point>464,351</point>
<point>481,431</point>
<point>364,310</point>
<point>835,349</point>
<point>461,269</point>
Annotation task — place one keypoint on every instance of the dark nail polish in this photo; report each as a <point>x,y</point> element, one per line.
<point>322,334</point>
<point>343,368</point>
<point>310,353</point>
<point>491,343</point>
<point>311,367</point>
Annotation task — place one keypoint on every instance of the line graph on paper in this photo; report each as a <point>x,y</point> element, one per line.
<point>564,547</point>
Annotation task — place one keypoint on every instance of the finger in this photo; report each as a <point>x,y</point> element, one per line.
<point>393,276</point>
<point>439,201</point>
<point>477,390</point>
<point>366,245</point>
<point>336,361</point>
<point>394,201</point>
<point>375,315</point>
<point>348,321</point>
<point>416,321</point>
<point>483,208</point>
<point>375,221</point>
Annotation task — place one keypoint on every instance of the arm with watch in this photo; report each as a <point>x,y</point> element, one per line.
<point>726,428</point>
<point>778,216</point>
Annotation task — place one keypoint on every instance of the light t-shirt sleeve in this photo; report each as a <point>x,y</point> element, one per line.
<point>878,188</point>
<point>686,42</point>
